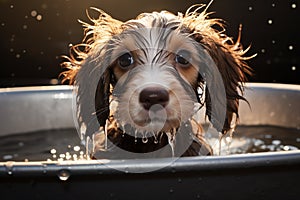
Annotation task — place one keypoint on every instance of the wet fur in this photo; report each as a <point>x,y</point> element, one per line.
<point>100,43</point>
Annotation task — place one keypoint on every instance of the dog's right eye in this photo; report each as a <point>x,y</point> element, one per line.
<point>183,57</point>
<point>125,60</point>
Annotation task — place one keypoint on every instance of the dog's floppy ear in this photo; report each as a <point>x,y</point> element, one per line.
<point>223,59</point>
<point>88,66</point>
<point>229,60</point>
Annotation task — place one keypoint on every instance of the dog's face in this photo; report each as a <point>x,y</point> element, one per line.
<point>151,72</point>
<point>155,77</point>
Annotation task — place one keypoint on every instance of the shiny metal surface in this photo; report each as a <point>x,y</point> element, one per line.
<point>38,108</point>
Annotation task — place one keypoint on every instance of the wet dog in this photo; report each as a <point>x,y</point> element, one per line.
<point>140,83</point>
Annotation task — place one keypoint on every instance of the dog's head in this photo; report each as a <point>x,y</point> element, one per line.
<point>155,72</point>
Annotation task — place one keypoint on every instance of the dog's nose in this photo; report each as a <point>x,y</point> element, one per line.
<point>151,96</point>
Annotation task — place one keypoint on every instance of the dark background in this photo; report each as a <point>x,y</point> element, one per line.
<point>35,34</point>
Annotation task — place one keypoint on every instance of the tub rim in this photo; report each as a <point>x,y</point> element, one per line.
<point>255,161</point>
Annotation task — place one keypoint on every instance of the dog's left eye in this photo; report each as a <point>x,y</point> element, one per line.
<point>183,57</point>
<point>125,60</point>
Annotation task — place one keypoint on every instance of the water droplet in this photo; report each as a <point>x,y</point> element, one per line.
<point>273,5</point>
<point>276,142</point>
<point>171,190</point>
<point>18,56</point>
<point>75,157</point>
<point>68,156</point>
<point>273,41</point>
<point>39,17</point>
<point>263,50</point>
<point>286,148</point>
<point>126,170</point>
<point>53,151</point>
<point>11,6</point>
<point>294,68</point>
<point>291,47</point>
<point>64,175</point>
<point>76,148</point>
<point>144,139</point>
<point>258,142</point>
<point>25,26</point>
<point>270,21</point>
<point>250,8</point>
<point>294,5</point>
<point>9,167</point>
<point>7,157</point>
<point>298,140</point>
<point>33,13</point>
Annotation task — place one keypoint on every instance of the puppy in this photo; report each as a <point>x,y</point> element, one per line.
<point>141,83</point>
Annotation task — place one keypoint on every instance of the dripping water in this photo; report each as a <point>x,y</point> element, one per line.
<point>171,140</point>
<point>135,136</point>
<point>145,138</point>
<point>155,137</point>
<point>64,175</point>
